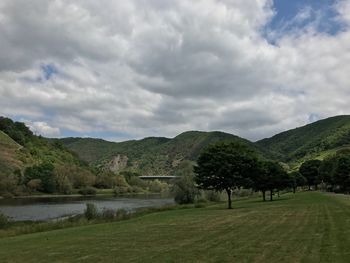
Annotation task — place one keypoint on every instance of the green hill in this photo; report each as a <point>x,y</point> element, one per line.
<point>10,154</point>
<point>149,156</point>
<point>20,149</point>
<point>315,140</point>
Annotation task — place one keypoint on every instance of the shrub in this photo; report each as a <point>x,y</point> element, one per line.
<point>34,185</point>
<point>212,196</point>
<point>120,190</point>
<point>157,186</point>
<point>184,190</point>
<point>91,211</point>
<point>4,221</point>
<point>122,214</point>
<point>136,181</point>
<point>108,214</point>
<point>87,191</point>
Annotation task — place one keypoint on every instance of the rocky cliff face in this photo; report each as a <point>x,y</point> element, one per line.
<point>117,163</point>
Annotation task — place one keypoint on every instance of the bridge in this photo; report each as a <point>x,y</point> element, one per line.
<point>157,177</point>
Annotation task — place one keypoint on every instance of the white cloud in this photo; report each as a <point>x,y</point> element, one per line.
<point>157,68</point>
<point>42,128</point>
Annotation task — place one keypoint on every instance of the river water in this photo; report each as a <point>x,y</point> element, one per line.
<point>47,208</point>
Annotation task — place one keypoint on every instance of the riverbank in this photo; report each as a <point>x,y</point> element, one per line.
<point>27,227</point>
<point>305,227</point>
<point>100,192</point>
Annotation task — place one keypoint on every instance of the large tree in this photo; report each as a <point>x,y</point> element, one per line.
<point>269,176</point>
<point>297,180</point>
<point>342,174</point>
<point>310,170</point>
<point>224,166</point>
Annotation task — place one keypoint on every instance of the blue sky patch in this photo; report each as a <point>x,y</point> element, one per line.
<point>49,70</point>
<point>294,15</point>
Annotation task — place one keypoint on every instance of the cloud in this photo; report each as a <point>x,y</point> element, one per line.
<point>42,128</point>
<point>158,68</point>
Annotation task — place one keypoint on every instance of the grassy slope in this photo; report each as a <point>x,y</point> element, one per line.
<point>307,227</point>
<point>154,155</point>
<point>315,140</point>
<point>9,157</point>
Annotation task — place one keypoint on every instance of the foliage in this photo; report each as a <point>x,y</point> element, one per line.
<point>269,176</point>
<point>37,158</point>
<point>310,170</point>
<point>212,196</point>
<point>184,188</point>
<point>342,173</point>
<point>225,166</point>
<point>297,180</point>
<point>4,221</point>
<point>312,141</point>
<point>87,191</point>
<point>149,156</point>
<point>44,173</point>
<point>91,211</point>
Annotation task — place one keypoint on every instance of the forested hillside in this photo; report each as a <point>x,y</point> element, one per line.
<point>315,140</point>
<point>149,156</point>
<point>24,155</point>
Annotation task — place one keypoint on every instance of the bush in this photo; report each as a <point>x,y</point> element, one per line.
<point>120,190</point>
<point>87,191</point>
<point>122,214</point>
<point>212,196</point>
<point>4,221</point>
<point>108,214</point>
<point>91,211</point>
<point>157,186</point>
<point>184,190</point>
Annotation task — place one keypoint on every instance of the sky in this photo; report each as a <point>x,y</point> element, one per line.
<point>123,70</point>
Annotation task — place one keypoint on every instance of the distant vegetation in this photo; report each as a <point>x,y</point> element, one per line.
<point>313,141</point>
<point>31,164</point>
<point>149,156</point>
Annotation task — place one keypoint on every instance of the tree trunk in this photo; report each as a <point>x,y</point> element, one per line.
<point>264,197</point>
<point>278,194</point>
<point>271,193</point>
<point>228,191</point>
<point>316,187</point>
<point>294,188</point>
<point>309,187</point>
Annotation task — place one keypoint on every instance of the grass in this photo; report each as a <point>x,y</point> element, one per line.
<point>306,227</point>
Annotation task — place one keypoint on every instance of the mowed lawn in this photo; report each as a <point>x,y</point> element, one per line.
<point>305,227</point>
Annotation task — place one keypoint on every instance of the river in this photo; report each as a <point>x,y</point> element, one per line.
<point>47,208</point>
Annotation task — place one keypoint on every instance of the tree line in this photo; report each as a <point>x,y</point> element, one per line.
<point>228,166</point>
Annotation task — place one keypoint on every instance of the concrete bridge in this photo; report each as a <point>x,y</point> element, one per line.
<point>158,177</point>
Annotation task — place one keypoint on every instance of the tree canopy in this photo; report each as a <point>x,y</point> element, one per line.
<point>310,170</point>
<point>224,166</point>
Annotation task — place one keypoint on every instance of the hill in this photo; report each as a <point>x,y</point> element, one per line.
<point>21,149</point>
<point>10,153</point>
<point>149,156</point>
<point>315,140</point>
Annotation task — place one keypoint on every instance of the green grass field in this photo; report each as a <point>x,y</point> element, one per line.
<point>306,227</point>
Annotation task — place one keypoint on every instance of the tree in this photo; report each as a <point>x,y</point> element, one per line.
<point>44,172</point>
<point>268,177</point>
<point>342,173</point>
<point>297,180</point>
<point>327,171</point>
<point>260,179</point>
<point>224,166</point>
<point>310,170</point>
<point>184,188</point>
